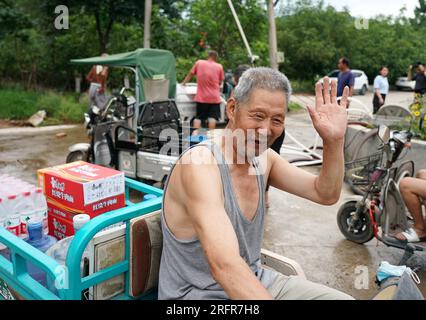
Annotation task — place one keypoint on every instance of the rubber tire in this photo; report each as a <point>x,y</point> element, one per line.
<point>406,169</point>
<point>343,214</point>
<point>76,156</point>
<point>364,90</point>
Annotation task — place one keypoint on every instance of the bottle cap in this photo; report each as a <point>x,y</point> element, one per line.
<point>34,221</point>
<point>80,220</point>
<point>35,229</point>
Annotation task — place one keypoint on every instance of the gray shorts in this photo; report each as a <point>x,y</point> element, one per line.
<point>283,287</point>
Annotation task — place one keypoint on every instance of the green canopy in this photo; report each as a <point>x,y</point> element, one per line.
<point>151,64</point>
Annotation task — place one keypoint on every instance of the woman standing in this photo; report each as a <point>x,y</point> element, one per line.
<point>381,89</point>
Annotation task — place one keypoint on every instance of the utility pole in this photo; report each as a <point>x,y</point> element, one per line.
<point>273,48</point>
<point>147,24</point>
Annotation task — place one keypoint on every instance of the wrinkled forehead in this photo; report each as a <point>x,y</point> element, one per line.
<point>267,99</point>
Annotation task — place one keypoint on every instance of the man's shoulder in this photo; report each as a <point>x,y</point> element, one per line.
<point>197,171</point>
<point>199,155</point>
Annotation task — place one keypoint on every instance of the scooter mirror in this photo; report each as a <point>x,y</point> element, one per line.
<point>384,133</point>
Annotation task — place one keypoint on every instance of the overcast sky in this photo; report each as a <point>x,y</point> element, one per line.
<point>369,8</point>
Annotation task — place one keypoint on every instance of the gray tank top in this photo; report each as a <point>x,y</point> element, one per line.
<point>184,270</point>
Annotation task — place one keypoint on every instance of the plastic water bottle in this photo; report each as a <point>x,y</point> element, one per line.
<point>13,219</point>
<point>60,249</point>
<point>42,242</point>
<point>40,205</point>
<point>26,210</point>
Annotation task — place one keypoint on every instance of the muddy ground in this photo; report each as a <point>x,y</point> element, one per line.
<point>296,228</point>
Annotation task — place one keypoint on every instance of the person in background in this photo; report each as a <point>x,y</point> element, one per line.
<point>413,191</point>
<point>238,72</point>
<point>419,77</point>
<point>346,77</point>
<point>228,84</point>
<point>97,77</point>
<point>210,76</point>
<point>381,89</point>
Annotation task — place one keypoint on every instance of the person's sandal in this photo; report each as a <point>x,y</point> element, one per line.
<point>412,236</point>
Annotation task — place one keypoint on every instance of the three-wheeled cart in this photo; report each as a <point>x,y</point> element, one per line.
<point>123,260</point>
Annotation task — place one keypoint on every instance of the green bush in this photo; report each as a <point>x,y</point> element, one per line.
<point>293,106</point>
<point>70,111</point>
<point>18,104</point>
<point>303,86</point>
<point>49,102</point>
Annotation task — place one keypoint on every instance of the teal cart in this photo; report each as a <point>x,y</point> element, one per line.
<point>15,281</point>
<point>123,267</point>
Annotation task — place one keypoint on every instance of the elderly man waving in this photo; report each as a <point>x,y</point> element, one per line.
<point>213,228</point>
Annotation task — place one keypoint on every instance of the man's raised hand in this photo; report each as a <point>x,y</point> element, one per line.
<point>328,117</point>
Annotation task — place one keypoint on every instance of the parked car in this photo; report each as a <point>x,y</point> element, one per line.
<point>361,80</point>
<point>402,83</point>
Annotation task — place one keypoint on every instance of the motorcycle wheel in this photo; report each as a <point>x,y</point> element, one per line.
<point>76,156</point>
<point>362,232</point>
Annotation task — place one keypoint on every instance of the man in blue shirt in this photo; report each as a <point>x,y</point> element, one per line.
<point>381,89</point>
<point>346,77</point>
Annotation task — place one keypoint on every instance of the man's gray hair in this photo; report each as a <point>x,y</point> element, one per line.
<point>261,78</point>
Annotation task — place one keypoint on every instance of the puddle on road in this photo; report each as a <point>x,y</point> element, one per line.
<point>21,155</point>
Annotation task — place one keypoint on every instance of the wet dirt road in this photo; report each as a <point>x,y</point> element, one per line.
<point>296,228</point>
<point>23,152</point>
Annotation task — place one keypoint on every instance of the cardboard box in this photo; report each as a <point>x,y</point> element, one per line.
<point>82,187</point>
<point>58,227</point>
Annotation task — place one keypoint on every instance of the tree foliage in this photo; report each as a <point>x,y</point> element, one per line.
<point>311,34</point>
<point>314,36</point>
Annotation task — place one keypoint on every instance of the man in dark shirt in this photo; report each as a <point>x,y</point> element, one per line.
<point>419,77</point>
<point>346,77</point>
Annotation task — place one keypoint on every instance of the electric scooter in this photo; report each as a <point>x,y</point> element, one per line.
<point>380,212</point>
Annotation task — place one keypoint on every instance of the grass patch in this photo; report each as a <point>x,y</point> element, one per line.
<point>294,106</point>
<point>18,104</point>
<point>303,86</point>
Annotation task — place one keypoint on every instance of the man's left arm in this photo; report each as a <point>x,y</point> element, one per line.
<point>190,74</point>
<point>330,121</point>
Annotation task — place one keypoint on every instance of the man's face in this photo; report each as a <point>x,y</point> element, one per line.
<point>261,119</point>
<point>420,68</point>
<point>341,65</point>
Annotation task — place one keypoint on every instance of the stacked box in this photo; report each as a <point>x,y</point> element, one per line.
<point>79,187</point>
